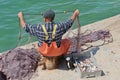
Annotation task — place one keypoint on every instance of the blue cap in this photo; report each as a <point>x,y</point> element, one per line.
<point>49,14</point>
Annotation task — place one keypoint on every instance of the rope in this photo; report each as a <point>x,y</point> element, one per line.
<point>41,13</point>
<point>19,35</point>
<point>78,46</point>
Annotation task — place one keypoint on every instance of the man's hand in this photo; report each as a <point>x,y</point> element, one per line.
<point>20,15</point>
<point>22,21</point>
<point>75,14</point>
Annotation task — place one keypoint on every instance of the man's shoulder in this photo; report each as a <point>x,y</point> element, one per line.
<point>38,25</point>
<point>68,21</point>
<point>64,21</point>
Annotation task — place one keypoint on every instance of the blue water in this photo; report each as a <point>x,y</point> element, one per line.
<point>90,11</point>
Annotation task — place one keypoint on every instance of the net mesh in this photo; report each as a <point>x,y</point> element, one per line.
<point>38,18</point>
<point>77,40</point>
<point>20,64</point>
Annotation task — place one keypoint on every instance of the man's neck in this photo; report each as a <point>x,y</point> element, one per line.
<point>47,21</point>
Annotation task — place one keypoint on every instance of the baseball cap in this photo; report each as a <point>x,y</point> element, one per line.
<point>49,14</point>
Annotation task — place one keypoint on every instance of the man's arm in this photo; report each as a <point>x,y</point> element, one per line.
<point>28,27</point>
<point>66,25</point>
<point>75,14</point>
<point>22,21</point>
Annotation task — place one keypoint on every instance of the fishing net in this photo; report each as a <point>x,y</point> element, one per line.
<point>77,38</point>
<point>25,38</point>
<point>20,64</point>
<point>90,39</point>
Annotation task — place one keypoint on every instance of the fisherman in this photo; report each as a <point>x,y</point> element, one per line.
<point>49,35</point>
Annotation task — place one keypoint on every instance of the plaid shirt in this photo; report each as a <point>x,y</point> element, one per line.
<point>37,31</point>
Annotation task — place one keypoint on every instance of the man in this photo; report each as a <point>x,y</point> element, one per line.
<point>49,35</point>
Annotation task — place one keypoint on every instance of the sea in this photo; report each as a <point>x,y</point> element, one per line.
<point>90,11</point>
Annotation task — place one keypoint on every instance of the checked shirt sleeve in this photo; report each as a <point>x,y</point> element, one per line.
<point>66,25</point>
<point>32,29</point>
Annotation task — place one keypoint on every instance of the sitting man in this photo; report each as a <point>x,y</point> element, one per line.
<point>50,42</point>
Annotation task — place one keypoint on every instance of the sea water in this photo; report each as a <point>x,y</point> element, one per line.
<point>90,11</point>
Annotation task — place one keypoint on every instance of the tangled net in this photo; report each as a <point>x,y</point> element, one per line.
<point>103,35</point>
<point>18,64</point>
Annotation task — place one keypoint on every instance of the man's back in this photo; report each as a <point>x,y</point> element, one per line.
<point>38,31</point>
